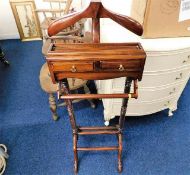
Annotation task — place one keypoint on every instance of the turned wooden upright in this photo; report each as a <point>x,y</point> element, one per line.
<point>96,61</point>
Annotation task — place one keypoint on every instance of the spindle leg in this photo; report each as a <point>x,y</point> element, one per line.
<point>75,153</point>
<point>122,121</point>
<point>64,87</point>
<point>120,153</point>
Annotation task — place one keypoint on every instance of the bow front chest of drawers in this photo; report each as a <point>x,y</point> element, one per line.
<point>166,73</point>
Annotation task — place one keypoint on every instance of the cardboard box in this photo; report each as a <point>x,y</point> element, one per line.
<point>160,18</point>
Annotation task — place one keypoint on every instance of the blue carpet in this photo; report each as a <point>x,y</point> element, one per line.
<point>153,145</point>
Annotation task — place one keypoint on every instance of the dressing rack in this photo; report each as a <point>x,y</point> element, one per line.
<point>96,61</point>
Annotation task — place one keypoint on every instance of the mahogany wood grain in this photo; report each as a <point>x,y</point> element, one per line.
<point>96,96</point>
<point>97,132</point>
<point>100,96</point>
<point>96,61</point>
<point>98,128</point>
<point>97,75</point>
<point>101,60</point>
<point>98,148</point>
<point>96,30</point>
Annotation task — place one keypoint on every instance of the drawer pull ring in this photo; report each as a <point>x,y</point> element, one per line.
<point>121,68</point>
<point>73,69</point>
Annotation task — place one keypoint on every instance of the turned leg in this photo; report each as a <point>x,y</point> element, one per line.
<point>87,91</point>
<point>120,153</point>
<point>64,89</point>
<point>122,121</point>
<point>75,153</point>
<point>53,106</point>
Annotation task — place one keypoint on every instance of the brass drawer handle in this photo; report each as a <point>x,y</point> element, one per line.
<point>73,69</point>
<point>121,68</point>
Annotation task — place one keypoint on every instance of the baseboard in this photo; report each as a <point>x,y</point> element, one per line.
<point>9,36</point>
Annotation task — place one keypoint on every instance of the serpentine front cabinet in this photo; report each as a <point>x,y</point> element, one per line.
<point>166,74</point>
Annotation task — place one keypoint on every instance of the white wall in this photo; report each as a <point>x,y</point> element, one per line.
<point>8,28</point>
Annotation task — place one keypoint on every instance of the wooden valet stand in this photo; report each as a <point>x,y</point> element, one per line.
<point>96,61</point>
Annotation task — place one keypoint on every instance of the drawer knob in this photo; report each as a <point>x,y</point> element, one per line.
<point>173,91</point>
<point>188,59</point>
<point>167,104</point>
<point>180,77</point>
<point>121,68</point>
<point>73,69</point>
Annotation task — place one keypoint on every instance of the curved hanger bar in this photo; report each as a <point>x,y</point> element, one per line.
<point>125,21</point>
<point>95,10</point>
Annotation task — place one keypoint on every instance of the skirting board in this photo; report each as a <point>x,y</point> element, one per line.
<point>9,36</point>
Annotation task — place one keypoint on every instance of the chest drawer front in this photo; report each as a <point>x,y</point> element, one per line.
<point>156,80</point>
<point>161,62</point>
<point>148,95</point>
<point>120,65</point>
<point>73,66</point>
<point>138,109</point>
<point>162,79</point>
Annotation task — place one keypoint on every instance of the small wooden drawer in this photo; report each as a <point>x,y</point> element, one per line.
<point>120,66</point>
<point>73,66</point>
<point>95,61</point>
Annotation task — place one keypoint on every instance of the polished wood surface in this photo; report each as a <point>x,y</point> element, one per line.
<point>100,96</point>
<point>100,60</point>
<point>96,61</point>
